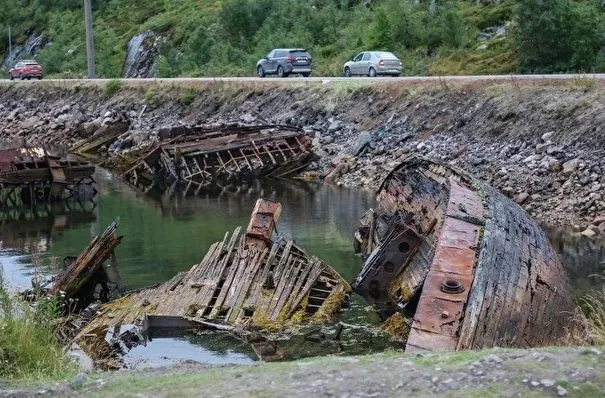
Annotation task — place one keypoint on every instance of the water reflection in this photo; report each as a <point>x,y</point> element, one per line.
<point>582,257</point>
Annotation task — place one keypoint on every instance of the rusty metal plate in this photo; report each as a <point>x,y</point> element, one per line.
<point>459,233</point>
<point>454,259</point>
<point>446,288</point>
<point>448,321</point>
<point>421,340</point>
<point>264,217</point>
<point>434,281</point>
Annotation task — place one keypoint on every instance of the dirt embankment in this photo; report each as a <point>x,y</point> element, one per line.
<point>543,146</point>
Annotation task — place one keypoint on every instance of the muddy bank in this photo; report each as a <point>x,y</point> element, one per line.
<point>542,146</point>
<point>547,372</point>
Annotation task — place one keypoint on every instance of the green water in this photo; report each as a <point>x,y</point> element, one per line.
<point>166,232</point>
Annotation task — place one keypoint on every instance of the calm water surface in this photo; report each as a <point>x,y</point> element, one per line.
<point>167,232</point>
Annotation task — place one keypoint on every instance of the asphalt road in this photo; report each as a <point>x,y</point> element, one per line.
<point>540,79</point>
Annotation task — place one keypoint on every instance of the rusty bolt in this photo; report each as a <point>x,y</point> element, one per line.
<point>451,286</point>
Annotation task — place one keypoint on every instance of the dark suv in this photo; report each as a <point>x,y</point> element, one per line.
<point>283,61</point>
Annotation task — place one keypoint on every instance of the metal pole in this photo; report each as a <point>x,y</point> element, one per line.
<point>10,42</point>
<point>90,46</point>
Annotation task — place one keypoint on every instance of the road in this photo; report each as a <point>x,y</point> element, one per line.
<point>186,81</point>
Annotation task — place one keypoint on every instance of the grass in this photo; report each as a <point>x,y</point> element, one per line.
<point>28,347</point>
<point>593,306</point>
<point>112,87</point>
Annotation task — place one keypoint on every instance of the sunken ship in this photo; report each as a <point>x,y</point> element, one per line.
<point>465,266</point>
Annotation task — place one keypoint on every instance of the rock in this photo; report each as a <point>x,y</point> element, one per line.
<point>141,55</point>
<point>363,141</point>
<point>493,358</point>
<point>421,146</point>
<point>476,161</point>
<point>541,148</point>
<point>482,47</point>
<point>561,391</point>
<point>547,382</point>
<point>31,122</point>
<point>79,380</point>
<point>508,191</point>
<point>598,219</point>
<point>570,167</point>
<point>335,126</point>
<point>521,198</point>
<point>554,165</point>
<point>532,158</point>
<point>601,228</point>
<point>547,136</point>
<point>589,233</point>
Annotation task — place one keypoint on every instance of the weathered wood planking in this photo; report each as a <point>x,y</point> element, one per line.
<point>247,281</point>
<point>515,291</point>
<point>87,265</point>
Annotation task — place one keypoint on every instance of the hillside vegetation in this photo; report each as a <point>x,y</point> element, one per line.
<point>227,37</point>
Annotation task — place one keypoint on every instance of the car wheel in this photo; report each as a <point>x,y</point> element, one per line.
<point>10,76</point>
<point>281,72</point>
<point>306,74</point>
<point>260,71</point>
<point>21,77</point>
<point>372,72</point>
<point>39,77</point>
<point>348,72</point>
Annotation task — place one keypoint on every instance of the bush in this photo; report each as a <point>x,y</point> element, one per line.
<point>187,97</point>
<point>113,86</point>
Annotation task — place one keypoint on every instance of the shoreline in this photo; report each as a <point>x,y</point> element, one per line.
<point>543,146</point>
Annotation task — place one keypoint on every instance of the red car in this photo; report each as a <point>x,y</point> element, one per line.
<point>26,70</point>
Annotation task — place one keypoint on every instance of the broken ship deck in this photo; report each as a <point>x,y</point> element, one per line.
<point>211,153</point>
<point>467,263</point>
<point>244,282</point>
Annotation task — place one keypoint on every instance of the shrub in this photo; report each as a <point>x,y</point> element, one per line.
<point>113,86</point>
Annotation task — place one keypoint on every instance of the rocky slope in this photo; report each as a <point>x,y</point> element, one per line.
<point>544,146</point>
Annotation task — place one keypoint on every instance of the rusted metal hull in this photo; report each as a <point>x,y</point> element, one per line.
<point>247,283</point>
<point>203,155</point>
<point>469,266</point>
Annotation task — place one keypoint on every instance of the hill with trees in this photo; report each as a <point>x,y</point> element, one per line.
<point>214,37</point>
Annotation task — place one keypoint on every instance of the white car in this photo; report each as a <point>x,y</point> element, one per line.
<point>373,63</point>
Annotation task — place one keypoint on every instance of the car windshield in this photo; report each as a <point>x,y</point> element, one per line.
<point>385,54</point>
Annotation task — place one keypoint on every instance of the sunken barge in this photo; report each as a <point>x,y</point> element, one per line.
<point>466,266</point>
<point>33,175</point>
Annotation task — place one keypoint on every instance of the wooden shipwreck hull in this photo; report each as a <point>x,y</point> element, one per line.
<point>204,154</point>
<point>247,282</point>
<point>33,175</point>
<point>469,265</point>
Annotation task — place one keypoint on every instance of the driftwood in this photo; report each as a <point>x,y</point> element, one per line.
<point>80,277</point>
<point>246,282</point>
<point>103,136</point>
<point>467,264</point>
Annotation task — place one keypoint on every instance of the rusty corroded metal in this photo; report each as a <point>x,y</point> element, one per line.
<point>482,273</point>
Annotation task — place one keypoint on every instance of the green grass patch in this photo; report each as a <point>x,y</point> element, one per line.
<point>29,349</point>
<point>112,87</point>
